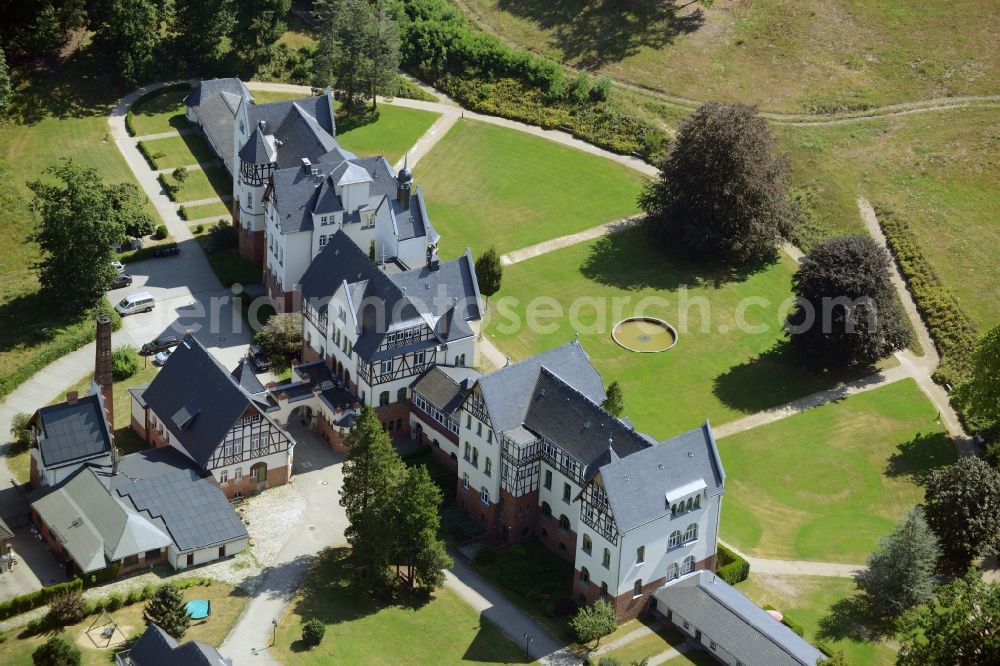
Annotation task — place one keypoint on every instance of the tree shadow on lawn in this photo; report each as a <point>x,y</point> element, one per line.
<point>24,317</point>
<point>853,619</point>
<point>776,377</point>
<point>591,33</point>
<point>916,458</point>
<point>633,260</point>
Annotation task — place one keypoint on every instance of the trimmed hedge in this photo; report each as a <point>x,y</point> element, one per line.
<point>150,156</point>
<point>170,188</point>
<point>143,252</point>
<point>37,599</point>
<point>731,567</point>
<point>791,624</point>
<point>954,333</point>
<point>83,333</point>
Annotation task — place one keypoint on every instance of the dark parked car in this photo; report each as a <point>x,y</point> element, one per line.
<point>167,251</point>
<point>160,344</point>
<point>121,280</point>
<point>258,359</point>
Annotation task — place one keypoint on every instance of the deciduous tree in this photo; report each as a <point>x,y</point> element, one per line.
<point>168,611</point>
<point>591,623</point>
<point>200,26</point>
<point>489,272</point>
<point>722,192</point>
<point>281,337</point>
<point>958,627</point>
<point>980,396</point>
<point>900,573</point>
<point>129,204</point>
<point>80,221</point>
<point>56,651</point>
<point>372,474</point>
<point>129,30</point>
<point>847,313</point>
<point>614,402</point>
<point>962,503</point>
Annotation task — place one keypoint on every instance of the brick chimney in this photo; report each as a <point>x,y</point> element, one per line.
<point>102,368</point>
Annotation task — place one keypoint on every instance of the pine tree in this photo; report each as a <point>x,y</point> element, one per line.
<point>372,474</point>
<point>258,26</point>
<point>416,524</point>
<point>6,91</point>
<point>200,26</point>
<point>489,272</point>
<point>167,611</point>
<point>384,50</point>
<point>614,403</point>
<point>900,573</point>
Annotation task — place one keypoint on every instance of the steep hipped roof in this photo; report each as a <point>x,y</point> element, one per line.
<point>258,149</point>
<point>94,527</point>
<point>572,421</point>
<point>445,387</point>
<point>639,485</point>
<point>197,399</point>
<point>301,128</point>
<point>73,433</point>
<point>166,487</point>
<point>735,623</point>
<point>215,102</point>
<point>508,391</point>
<point>158,648</point>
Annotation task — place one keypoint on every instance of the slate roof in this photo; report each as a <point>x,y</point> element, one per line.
<point>735,623</point>
<point>94,527</point>
<point>445,387</point>
<point>445,300</point>
<point>302,128</point>
<point>167,488</point>
<point>197,399</point>
<point>5,531</point>
<point>258,150</point>
<point>215,101</point>
<point>158,648</point>
<point>507,391</point>
<point>572,421</point>
<point>637,485</point>
<point>73,433</point>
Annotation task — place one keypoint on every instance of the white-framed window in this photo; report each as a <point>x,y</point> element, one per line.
<point>673,571</point>
<point>688,564</point>
<point>465,481</point>
<point>238,474</point>
<point>675,539</point>
<point>488,469</point>
<point>322,239</point>
<point>691,533</point>
<point>640,554</point>
<point>587,544</point>
<point>385,367</point>
<point>224,476</point>
<point>484,496</point>
<point>638,588</point>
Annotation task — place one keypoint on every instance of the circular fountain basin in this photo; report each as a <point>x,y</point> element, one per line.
<point>644,334</point>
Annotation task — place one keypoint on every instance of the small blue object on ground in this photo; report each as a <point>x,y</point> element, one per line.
<point>199,609</point>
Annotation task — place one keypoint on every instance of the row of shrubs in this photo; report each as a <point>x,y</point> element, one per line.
<point>145,252</point>
<point>731,567</point>
<point>170,187</point>
<point>36,599</point>
<point>442,47</point>
<point>80,334</point>
<point>129,126</point>
<point>955,335</point>
<point>150,155</point>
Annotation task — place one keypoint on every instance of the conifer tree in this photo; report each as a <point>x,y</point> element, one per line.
<point>614,403</point>
<point>420,551</point>
<point>489,272</point>
<point>167,611</point>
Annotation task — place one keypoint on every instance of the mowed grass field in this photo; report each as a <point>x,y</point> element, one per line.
<point>826,484</point>
<point>489,185</point>
<point>177,151</point>
<point>392,135</point>
<point>783,55</point>
<point>825,609</point>
<point>160,113</point>
<point>938,171</point>
<point>718,370</point>
<point>444,630</point>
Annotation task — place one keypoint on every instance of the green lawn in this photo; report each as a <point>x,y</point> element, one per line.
<point>444,630</point>
<point>227,604</point>
<point>202,184</point>
<point>178,151</point>
<point>693,658</point>
<point>267,96</point>
<point>392,134</point>
<point>489,185</point>
<point>783,55</point>
<point>160,113</point>
<point>646,647</point>
<point>213,211</point>
<point>229,266</point>
<point>827,610</point>
<point>826,484</point>
<point>715,371</point>
<point>57,114</point>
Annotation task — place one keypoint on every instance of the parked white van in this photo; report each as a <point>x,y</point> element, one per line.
<point>141,302</point>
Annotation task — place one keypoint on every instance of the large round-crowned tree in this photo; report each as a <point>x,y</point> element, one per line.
<point>847,314</point>
<point>722,193</point>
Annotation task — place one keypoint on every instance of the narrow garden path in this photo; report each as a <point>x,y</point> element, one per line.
<point>644,630</point>
<point>554,244</point>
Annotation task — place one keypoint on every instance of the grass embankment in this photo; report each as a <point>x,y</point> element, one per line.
<point>441,630</point>
<point>488,185</point>
<point>826,484</point>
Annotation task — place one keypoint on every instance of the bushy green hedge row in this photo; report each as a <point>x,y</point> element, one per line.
<point>731,567</point>
<point>146,98</point>
<point>150,155</point>
<point>484,74</point>
<point>143,252</point>
<point>954,333</point>
<point>791,624</point>
<point>36,599</point>
<point>77,336</point>
<point>170,188</point>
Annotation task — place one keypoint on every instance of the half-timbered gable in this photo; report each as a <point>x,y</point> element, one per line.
<point>219,419</point>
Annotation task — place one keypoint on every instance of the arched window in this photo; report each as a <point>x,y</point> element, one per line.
<point>258,472</point>
<point>697,501</point>
<point>675,539</point>
<point>673,511</point>
<point>604,589</point>
<point>690,503</point>
<point>401,394</point>
<point>383,398</point>
<point>465,481</point>
<point>688,564</point>
<point>691,533</point>
<point>584,576</point>
<point>546,509</point>
<point>484,496</point>
<point>587,544</point>
<point>673,571</point>
<point>607,558</point>
<point>564,522</point>
<point>638,587</point>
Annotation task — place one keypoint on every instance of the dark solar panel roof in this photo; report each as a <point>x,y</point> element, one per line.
<point>73,432</point>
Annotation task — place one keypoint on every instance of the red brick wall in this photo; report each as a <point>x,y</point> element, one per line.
<point>396,418</point>
<point>276,476</point>
<point>282,301</point>
<point>519,515</point>
<point>485,515</point>
<point>559,542</point>
<point>251,244</point>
